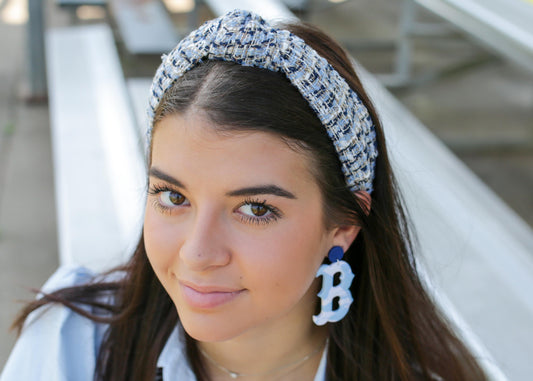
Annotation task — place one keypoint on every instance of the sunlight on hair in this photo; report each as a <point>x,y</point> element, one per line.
<point>90,12</point>
<point>179,6</point>
<point>14,12</point>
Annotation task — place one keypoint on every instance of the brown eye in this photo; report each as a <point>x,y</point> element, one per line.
<point>176,198</point>
<point>258,210</point>
<point>171,198</point>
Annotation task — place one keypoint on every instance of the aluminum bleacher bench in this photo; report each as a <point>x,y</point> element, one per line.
<point>98,165</point>
<point>504,27</point>
<point>145,26</point>
<point>269,9</point>
<point>77,3</point>
<point>476,251</point>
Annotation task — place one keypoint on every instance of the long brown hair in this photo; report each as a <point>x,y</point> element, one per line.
<point>393,330</point>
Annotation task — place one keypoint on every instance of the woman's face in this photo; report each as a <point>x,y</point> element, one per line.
<point>234,229</point>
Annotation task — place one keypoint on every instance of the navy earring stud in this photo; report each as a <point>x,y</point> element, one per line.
<point>335,254</point>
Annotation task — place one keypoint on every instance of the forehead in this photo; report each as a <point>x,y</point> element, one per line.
<point>191,145</point>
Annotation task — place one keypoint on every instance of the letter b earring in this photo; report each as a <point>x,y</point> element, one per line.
<point>329,292</point>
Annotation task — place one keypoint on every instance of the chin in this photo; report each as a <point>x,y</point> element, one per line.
<point>207,328</point>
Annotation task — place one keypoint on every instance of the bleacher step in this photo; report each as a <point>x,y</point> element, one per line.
<point>98,167</point>
<point>145,26</point>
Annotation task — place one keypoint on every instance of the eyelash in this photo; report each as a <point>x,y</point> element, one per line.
<point>274,213</point>
<point>156,190</point>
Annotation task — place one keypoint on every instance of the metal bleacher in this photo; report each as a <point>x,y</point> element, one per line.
<point>98,166</point>
<point>503,27</point>
<point>475,251</point>
<point>144,26</point>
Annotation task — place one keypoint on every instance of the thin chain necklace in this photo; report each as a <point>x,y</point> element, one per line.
<point>294,364</point>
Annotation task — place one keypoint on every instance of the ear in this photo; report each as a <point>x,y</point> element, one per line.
<point>344,236</point>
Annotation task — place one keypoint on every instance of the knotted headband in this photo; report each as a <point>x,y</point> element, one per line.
<point>246,39</point>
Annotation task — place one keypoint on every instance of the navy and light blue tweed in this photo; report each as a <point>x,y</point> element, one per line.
<point>246,39</point>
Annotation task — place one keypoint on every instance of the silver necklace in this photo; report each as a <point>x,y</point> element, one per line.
<point>294,364</point>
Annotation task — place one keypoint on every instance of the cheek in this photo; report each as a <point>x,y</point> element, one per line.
<point>161,240</point>
<point>287,263</point>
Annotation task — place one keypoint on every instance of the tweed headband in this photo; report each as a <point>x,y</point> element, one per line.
<point>246,39</point>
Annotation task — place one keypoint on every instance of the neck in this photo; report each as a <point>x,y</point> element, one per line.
<point>258,357</point>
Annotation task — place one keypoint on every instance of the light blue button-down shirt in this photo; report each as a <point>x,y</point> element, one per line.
<point>60,345</point>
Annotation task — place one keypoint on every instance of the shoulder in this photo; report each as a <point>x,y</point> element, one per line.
<point>56,343</point>
<point>172,360</point>
<point>68,276</point>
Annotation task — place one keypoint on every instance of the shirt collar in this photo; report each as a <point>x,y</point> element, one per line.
<point>176,367</point>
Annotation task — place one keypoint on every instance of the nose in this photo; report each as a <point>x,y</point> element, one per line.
<point>205,245</point>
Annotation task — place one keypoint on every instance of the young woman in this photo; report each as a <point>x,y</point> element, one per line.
<point>275,246</point>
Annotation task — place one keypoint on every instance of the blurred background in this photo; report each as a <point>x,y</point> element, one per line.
<point>471,86</point>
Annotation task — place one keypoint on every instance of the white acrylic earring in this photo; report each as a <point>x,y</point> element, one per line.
<point>329,291</point>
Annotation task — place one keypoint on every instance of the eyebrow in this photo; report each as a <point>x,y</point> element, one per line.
<point>163,176</point>
<point>248,191</point>
<point>262,189</point>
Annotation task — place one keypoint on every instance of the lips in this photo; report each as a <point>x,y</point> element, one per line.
<point>208,297</point>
